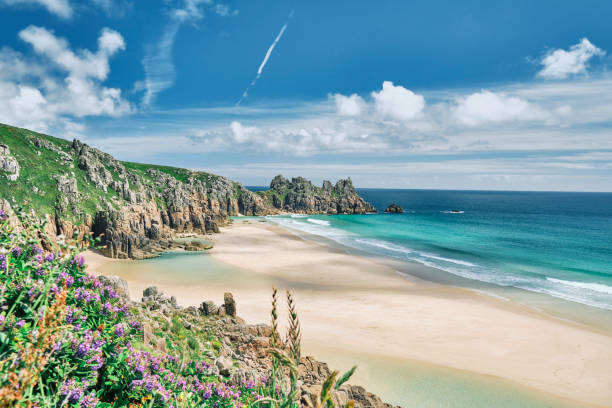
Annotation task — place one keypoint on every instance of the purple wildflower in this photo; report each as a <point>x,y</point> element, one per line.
<point>20,324</point>
<point>89,401</point>
<point>119,330</point>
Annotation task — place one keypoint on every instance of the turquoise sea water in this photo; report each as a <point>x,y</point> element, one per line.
<point>554,245</point>
<point>558,244</point>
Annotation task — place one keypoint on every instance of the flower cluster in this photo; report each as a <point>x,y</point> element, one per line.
<point>97,358</point>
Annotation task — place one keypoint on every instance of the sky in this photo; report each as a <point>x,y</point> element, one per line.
<point>504,95</point>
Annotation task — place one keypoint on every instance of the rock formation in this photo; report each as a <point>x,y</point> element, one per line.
<point>139,209</point>
<point>8,164</point>
<point>243,349</point>
<point>394,209</point>
<point>136,209</point>
<point>300,196</point>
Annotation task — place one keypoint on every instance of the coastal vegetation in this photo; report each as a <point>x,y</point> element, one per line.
<point>70,339</point>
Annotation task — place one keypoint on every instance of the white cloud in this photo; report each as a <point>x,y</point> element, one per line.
<point>352,105</point>
<point>559,64</point>
<point>224,10</point>
<point>398,102</point>
<point>60,8</point>
<point>33,95</point>
<point>486,106</point>
<point>242,134</point>
<point>160,72</point>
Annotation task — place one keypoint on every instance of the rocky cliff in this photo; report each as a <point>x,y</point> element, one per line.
<point>301,196</point>
<point>137,209</point>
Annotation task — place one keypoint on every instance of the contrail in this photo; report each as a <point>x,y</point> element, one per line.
<point>264,62</point>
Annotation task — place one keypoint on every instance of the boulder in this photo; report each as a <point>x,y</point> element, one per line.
<point>394,209</point>
<point>208,308</point>
<point>8,163</point>
<point>119,285</point>
<point>151,292</point>
<point>224,365</point>
<point>230,304</point>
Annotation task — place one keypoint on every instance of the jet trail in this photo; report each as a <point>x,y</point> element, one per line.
<point>264,62</point>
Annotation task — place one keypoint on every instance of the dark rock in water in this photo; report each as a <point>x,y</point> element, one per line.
<point>394,209</point>
<point>230,304</point>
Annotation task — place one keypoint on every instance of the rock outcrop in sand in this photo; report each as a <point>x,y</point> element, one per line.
<point>244,349</point>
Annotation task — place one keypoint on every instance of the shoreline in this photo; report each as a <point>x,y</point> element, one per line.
<point>365,305</point>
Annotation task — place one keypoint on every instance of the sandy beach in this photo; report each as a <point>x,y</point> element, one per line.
<point>359,305</point>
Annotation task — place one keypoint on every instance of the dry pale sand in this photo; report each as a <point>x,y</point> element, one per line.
<point>361,305</point>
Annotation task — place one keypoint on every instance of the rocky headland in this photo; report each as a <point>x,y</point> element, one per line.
<point>136,209</point>
<point>299,195</point>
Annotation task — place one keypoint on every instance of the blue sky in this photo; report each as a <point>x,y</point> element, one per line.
<point>405,94</point>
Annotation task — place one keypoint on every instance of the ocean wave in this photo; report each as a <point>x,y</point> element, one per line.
<point>441,258</point>
<point>595,287</point>
<point>299,215</point>
<point>384,245</point>
<point>591,294</point>
<point>319,222</point>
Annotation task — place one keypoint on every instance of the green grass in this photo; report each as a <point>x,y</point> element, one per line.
<point>38,171</point>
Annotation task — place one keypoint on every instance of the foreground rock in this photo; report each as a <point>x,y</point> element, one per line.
<point>394,209</point>
<point>238,352</point>
<point>300,196</point>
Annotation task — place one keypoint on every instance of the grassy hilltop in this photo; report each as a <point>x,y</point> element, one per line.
<point>36,186</point>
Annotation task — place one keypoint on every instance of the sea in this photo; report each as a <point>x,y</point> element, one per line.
<point>546,250</point>
<point>557,244</point>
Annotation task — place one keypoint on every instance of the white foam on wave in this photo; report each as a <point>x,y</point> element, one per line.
<point>319,222</point>
<point>591,294</point>
<point>298,216</point>
<point>384,245</point>
<point>441,258</point>
<point>595,287</point>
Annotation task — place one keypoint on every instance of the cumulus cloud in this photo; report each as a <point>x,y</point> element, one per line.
<point>540,116</point>
<point>60,8</point>
<point>559,64</point>
<point>242,134</point>
<point>398,102</point>
<point>33,95</point>
<point>352,105</point>
<point>486,106</point>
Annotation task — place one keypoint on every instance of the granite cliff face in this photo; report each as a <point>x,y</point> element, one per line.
<point>300,196</point>
<point>138,209</point>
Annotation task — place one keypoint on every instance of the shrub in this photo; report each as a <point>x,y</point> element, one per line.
<point>68,340</point>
